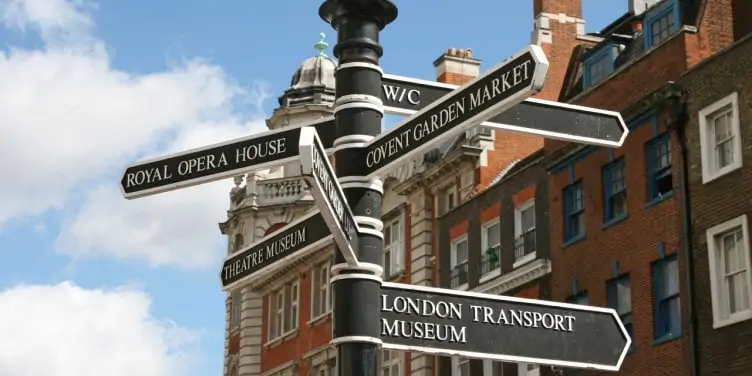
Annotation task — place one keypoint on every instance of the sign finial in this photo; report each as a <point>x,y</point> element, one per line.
<point>321,45</point>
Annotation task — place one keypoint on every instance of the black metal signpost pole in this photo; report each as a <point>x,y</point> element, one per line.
<point>358,115</point>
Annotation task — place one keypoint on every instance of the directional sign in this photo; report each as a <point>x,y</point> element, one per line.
<point>218,161</point>
<point>505,85</point>
<point>294,240</point>
<point>330,199</point>
<point>539,117</point>
<point>460,323</point>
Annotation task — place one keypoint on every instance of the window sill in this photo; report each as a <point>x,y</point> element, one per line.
<point>659,199</point>
<point>281,339</point>
<point>710,176</point>
<point>489,276</point>
<point>395,276</point>
<point>614,221</point>
<point>462,287</point>
<point>734,319</point>
<point>318,319</point>
<point>523,260</point>
<point>666,338</point>
<point>573,240</point>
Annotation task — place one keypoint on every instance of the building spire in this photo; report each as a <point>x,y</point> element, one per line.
<point>321,45</point>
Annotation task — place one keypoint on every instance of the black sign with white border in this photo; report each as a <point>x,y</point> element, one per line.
<point>292,241</point>
<point>330,199</point>
<point>218,161</point>
<point>505,85</point>
<point>539,117</point>
<point>468,324</point>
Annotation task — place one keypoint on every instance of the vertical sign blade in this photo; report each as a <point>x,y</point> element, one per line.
<point>330,199</point>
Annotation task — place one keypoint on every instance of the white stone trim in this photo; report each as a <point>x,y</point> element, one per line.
<point>516,278</point>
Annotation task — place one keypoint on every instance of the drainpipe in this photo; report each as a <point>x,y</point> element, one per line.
<point>678,122</point>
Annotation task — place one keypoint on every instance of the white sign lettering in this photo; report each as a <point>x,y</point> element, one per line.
<point>262,254</point>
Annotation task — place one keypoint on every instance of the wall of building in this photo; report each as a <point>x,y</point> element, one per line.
<point>725,347</point>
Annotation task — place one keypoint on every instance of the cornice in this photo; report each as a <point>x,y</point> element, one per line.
<point>516,278</point>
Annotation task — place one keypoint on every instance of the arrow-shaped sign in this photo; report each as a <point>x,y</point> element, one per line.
<point>219,161</point>
<point>468,324</point>
<point>505,85</point>
<point>292,241</point>
<point>330,199</point>
<point>539,117</point>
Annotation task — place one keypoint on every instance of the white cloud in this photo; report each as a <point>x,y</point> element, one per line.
<point>68,120</point>
<point>65,330</point>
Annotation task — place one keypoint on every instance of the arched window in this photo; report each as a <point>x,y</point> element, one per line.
<point>274,228</point>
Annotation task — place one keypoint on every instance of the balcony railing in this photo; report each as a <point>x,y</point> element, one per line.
<point>282,190</point>
<point>458,275</point>
<point>524,244</point>
<point>489,260</point>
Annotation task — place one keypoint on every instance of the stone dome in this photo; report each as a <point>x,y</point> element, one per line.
<point>313,81</point>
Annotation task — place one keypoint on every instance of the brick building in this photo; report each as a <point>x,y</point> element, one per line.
<point>717,134</point>
<point>616,220</point>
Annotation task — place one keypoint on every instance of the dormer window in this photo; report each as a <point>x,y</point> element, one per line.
<point>598,65</point>
<point>660,23</point>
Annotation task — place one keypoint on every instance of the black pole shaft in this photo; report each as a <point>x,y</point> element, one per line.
<point>358,114</point>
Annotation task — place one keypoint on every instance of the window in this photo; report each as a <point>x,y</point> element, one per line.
<point>666,290</point>
<point>460,366</point>
<point>458,260</point>
<point>720,138</point>
<point>580,298</point>
<point>391,363</point>
<point>236,299</point>
<point>660,26</point>
<point>394,253</point>
<point>574,212</point>
<point>283,310</point>
<point>730,277</point>
<point>524,218</point>
<point>526,369</point>
<point>451,199</point>
<point>328,369</point>
<point>491,245</point>
<point>614,191</point>
<point>620,299</point>
<point>598,66</point>
<point>321,296</point>
<point>658,156</point>
<point>524,231</point>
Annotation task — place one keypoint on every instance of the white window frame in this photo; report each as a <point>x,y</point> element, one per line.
<point>449,196</point>
<point>281,313</point>
<point>395,358</point>
<point>453,257</point>
<point>707,140</point>
<point>396,250</point>
<point>721,316</point>
<point>484,246</point>
<point>317,289</point>
<point>518,216</point>
<point>488,367</point>
<point>518,230</point>
<point>456,363</point>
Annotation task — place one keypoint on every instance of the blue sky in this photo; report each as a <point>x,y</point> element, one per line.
<point>86,88</point>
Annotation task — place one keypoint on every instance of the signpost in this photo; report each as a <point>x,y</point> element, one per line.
<point>218,161</point>
<point>460,323</point>
<point>330,199</point>
<point>300,237</point>
<point>410,318</point>
<point>505,85</point>
<point>539,117</point>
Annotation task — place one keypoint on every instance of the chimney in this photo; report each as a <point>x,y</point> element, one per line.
<point>456,66</point>
<point>557,27</point>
